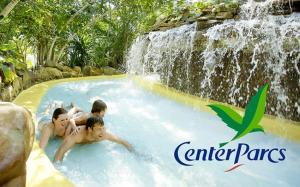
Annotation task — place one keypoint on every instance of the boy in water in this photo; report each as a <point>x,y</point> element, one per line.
<point>93,131</point>
<point>98,109</point>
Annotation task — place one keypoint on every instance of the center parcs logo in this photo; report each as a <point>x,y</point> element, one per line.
<point>249,123</point>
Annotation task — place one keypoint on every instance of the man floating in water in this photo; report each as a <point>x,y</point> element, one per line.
<point>93,131</point>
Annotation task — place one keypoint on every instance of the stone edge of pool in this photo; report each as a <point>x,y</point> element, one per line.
<point>40,170</point>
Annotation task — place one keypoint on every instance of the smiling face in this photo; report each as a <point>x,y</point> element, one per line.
<point>61,122</point>
<point>95,127</point>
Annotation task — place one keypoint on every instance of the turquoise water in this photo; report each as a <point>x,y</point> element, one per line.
<point>156,126</point>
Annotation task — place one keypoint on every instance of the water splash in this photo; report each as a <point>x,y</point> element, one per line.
<point>228,62</point>
<point>159,52</point>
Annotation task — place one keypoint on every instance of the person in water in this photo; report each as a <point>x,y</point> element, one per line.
<point>60,125</point>
<point>98,109</point>
<point>93,131</point>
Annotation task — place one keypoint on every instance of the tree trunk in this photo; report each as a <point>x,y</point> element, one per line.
<point>39,53</point>
<point>8,8</point>
<point>60,54</point>
<point>74,15</point>
<point>51,60</point>
<point>42,46</point>
<point>50,52</point>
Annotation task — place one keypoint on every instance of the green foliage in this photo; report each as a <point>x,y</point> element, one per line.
<point>197,7</point>
<point>9,54</point>
<point>49,29</point>
<point>106,28</point>
<point>77,53</point>
<point>3,3</point>
<point>9,75</point>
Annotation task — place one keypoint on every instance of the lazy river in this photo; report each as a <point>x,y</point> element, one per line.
<point>155,126</point>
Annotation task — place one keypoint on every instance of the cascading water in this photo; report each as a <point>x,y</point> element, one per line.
<point>274,44</point>
<point>160,51</point>
<point>229,61</point>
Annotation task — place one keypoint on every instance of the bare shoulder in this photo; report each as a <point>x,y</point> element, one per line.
<point>76,138</point>
<point>47,127</point>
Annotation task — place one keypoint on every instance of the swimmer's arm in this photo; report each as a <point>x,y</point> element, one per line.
<point>68,131</point>
<point>67,144</point>
<point>45,137</point>
<point>118,140</point>
<point>71,126</point>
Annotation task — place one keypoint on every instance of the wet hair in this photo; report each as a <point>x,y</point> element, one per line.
<point>98,106</point>
<point>58,112</point>
<point>91,121</point>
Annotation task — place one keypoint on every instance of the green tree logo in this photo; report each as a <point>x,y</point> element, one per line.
<point>250,122</point>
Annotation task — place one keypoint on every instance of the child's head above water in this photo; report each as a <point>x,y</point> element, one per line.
<point>99,107</point>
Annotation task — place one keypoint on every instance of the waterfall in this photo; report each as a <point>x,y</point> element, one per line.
<point>228,62</point>
<point>274,41</point>
<point>158,52</point>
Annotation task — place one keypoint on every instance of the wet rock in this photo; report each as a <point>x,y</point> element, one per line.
<point>87,70</point>
<point>17,86</point>
<point>215,10</point>
<point>59,67</point>
<point>207,24</point>
<point>66,74</point>
<point>48,73</point>
<point>5,94</point>
<point>91,71</point>
<point>64,68</point>
<point>111,71</point>
<point>96,71</point>
<point>26,79</point>
<point>221,11</point>
<point>200,42</point>
<point>206,11</point>
<point>16,139</point>
<point>71,74</point>
<point>202,18</point>
<point>191,20</point>
<point>67,69</point>
<point>224,15</point>
<point>281,7</point>
<point>77,69</point>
